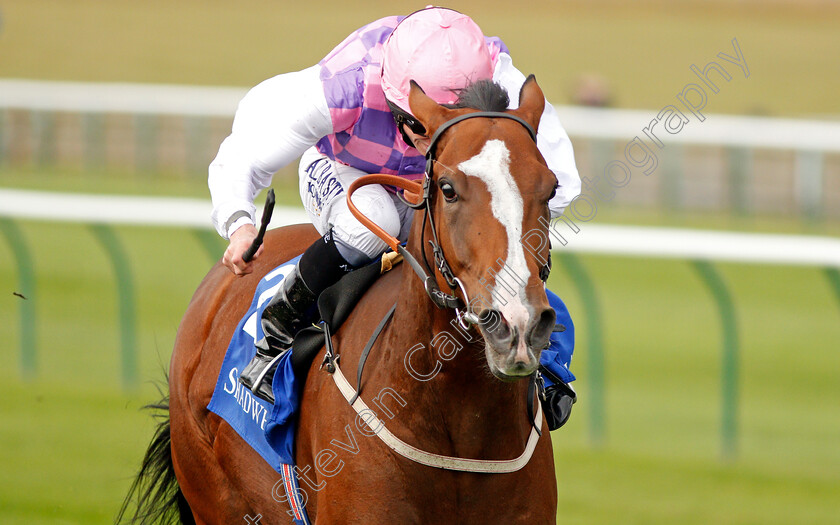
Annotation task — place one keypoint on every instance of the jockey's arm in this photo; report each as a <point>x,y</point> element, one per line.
<point>552,140</point>
<point>274,124</point>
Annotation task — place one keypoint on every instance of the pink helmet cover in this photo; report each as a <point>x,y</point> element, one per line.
<point>440,49</point>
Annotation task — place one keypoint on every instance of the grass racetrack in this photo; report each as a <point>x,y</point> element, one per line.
<point>72,437</point>
<point>642,48</point>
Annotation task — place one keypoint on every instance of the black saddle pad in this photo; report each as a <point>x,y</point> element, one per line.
<point>334,305</point>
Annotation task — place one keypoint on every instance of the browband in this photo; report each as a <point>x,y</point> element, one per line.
<point>430,153</point>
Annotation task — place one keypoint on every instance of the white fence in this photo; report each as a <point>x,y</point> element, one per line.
<point>744,164</point>
<point>594,123</point>
<point>592,238</point>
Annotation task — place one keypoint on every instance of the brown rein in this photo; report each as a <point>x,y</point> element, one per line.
<point>413,192</point>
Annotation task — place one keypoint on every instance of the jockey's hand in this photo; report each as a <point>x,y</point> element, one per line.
<point>240,241</point>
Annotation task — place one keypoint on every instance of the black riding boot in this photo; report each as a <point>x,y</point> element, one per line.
<point>291,309</point>
<point>557,401</point>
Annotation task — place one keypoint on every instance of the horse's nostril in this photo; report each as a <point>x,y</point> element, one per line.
<point>541,330</point>
<point>494,325</point>
<point>490,320</point>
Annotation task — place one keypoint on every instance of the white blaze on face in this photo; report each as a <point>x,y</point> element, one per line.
<point>492,165</point>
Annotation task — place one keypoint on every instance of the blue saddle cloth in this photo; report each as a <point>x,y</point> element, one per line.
<point>249,415</point>
<point>270,429</point>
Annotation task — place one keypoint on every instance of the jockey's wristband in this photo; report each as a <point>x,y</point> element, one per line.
<point>239,218</point>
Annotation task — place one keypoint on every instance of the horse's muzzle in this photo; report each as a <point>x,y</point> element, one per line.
<point>513,351</point>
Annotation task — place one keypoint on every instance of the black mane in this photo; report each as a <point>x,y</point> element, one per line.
<point>484,95</point>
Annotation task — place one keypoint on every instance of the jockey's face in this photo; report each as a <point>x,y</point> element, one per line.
<point>421,142</point>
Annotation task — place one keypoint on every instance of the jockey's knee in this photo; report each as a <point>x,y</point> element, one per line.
<point>360,253</point>
<point>355,242</point>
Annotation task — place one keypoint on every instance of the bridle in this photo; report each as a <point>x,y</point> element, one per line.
<point>419,197</point>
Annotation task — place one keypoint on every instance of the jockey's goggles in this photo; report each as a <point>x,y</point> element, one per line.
<point>403,117</point>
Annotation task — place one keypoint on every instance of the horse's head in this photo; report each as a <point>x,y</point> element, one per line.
<point>492,187</point>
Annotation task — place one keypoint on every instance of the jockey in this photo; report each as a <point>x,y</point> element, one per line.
<point>346,117</point>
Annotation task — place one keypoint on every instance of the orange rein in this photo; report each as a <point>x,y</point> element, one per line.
<point>413,193</point>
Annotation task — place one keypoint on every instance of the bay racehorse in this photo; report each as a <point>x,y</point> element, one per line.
<point>446,382</point>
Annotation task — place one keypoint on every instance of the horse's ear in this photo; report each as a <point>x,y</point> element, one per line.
<point>426,110</point>
<point>531,102</point>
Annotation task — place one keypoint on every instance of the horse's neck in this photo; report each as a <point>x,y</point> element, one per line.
<point>448,386</point>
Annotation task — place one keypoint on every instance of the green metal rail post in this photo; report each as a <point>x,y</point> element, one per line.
<point>28,298</point>
<point>210,242</point>
<point>595,350</point>
<point>125,287</point>
<point>833,276</point>
<point>729,356</point>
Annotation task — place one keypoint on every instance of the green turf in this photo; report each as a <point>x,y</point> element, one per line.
<point>72,437</point>
<point>68,451</point>
<point>642,49</point>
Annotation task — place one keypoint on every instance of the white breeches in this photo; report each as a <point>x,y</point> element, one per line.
<point>323,190</point>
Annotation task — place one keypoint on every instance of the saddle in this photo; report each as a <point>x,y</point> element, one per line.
<point>334,307</point>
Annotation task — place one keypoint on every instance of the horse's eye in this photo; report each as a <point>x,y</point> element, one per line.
<point>448,191</point>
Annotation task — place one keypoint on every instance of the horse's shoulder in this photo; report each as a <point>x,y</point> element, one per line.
<point>380,297</point>
<point>374,305</point>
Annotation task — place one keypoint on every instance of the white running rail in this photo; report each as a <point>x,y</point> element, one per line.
<point>595,123</point>
<point>807,250</point>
